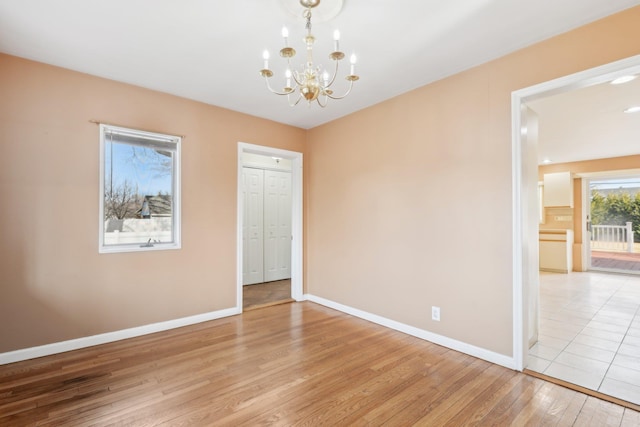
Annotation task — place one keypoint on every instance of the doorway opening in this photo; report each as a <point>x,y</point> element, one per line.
<point>613,223</point>
<point>266,231</point>
<point>526,211</point>
<point>269,269</point>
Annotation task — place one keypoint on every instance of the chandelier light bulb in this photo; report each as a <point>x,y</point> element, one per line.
<point>265,56</point>
<point>353,60</point>
<point>287,74</point>
<point>336,40</point>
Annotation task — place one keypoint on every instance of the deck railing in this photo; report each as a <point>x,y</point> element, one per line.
<point>612,237</point>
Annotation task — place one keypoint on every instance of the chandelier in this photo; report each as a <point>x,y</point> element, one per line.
<point>312,82</point>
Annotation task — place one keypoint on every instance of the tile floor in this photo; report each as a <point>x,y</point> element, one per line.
<point>590,332</point>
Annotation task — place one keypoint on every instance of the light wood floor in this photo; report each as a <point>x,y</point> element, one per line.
<point>291,364</point>
<point>267,294</point>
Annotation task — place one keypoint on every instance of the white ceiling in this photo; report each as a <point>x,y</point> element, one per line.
<point>211,50</point>
<point>589,123</point>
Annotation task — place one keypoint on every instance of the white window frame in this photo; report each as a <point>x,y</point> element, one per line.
<point>176,193</point>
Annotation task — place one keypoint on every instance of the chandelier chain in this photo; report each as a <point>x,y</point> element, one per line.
<point>307,14</point>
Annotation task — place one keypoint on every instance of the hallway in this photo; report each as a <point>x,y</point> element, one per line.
<point>266,294</point>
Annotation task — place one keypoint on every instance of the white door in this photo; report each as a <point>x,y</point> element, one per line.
<point>253,227</point>
<point>277,221</point>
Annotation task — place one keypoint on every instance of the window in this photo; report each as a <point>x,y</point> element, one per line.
<point>139,190</point>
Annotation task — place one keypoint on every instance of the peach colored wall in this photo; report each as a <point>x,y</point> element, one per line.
<point>55,286</point>
<point>586,166</point>
<point>409,201</point>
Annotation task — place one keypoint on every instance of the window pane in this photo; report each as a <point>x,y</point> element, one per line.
<point>139,186</point>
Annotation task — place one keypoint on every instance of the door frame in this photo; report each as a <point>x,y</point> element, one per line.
<point>296,216</point>
<point>520,185</point>
<point>586,220</point>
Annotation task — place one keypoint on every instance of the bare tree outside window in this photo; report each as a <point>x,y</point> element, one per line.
<point>121,201</point>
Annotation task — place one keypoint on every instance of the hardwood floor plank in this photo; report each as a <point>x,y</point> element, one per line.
<point>256,366</point>
<point>565,407</point>
<point>294,364</point>
<point>440,391</point>
<point>536,412</point>
<point>263,295</point>
<point>477,398</point>
<point>316,377</point>
<point>362,393</point>
<point>509,407</point>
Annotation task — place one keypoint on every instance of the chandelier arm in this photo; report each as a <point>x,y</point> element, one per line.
<point>320,103</point>
<point>297,101</point>
<point>266,79</point>
<point>295,79</point>
<point>335,74</point>
<point>343,96</point>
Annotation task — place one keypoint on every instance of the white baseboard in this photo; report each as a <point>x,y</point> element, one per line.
<point>480,353</point>
<point>61,347</point>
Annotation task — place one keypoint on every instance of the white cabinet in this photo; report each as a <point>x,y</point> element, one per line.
<point>556,250</point>
<point>558,189</point>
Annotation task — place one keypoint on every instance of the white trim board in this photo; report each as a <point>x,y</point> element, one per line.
<point>579,80</point>
<point>296,215</point>
<point>75,344</point>
<point>619,173</point>
<point>460,346</point>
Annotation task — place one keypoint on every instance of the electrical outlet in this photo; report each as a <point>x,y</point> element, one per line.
<point>435,313</point>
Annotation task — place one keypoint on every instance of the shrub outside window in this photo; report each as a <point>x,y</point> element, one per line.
<point>139,190</point>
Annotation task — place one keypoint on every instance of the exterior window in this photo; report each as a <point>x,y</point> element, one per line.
<point>139,190</point>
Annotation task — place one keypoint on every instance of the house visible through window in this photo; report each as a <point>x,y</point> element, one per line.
<point>139,203</point>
